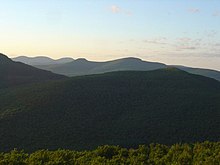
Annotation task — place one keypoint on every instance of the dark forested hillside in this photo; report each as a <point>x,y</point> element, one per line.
<point>15,73</point>
<point>120,108</point>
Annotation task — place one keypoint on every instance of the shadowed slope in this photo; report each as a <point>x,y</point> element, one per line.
<point>15,73</point>
<point>200,71</point>
<point>126,108</point>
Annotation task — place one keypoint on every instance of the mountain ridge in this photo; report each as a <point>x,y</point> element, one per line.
<point>82,66</point>
<point>41,60</point>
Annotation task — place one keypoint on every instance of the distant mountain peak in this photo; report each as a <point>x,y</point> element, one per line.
<point>41,60</point>
<point>132,58</point>
<point>66,58</point>
<point>81,60</point>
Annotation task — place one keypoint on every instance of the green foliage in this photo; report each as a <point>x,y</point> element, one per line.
<point>206,153</point>
<point>13,157</point>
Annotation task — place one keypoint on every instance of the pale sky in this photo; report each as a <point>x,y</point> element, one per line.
<point>185,32</point>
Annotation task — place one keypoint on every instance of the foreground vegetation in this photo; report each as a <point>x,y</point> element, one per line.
<point>207,153</point>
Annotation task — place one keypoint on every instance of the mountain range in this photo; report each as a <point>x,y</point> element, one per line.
<point>70,67</point>
<point>15,73</point>
<point>41,60</point>
<point>125,108</point>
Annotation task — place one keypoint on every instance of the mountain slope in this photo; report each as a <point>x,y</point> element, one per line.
<point>15,73</point>
<point>85,67</point>
<point>41,60</point>
<point>199,71</point>
<point>121,108</point>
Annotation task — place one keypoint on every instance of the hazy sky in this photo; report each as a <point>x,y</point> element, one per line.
<point>171,31</point>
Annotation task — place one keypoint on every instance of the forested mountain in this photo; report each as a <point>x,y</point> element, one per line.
<point>84,67</point>
<point>120,108</point>
<point>41,60</point>
<point>15,73</point>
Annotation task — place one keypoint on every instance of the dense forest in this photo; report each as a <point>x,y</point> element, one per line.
<point>206,153</point>
<point>129,108</point>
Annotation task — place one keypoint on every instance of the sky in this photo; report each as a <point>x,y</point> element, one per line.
<point>183,32</point>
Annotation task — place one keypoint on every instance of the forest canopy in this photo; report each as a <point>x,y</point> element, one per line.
<point>207,153</point>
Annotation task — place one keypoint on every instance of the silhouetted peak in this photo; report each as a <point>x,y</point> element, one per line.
<point>132,59</point>
<point>66,58</point>
<point>4,58</point>
<point>81,60</point>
